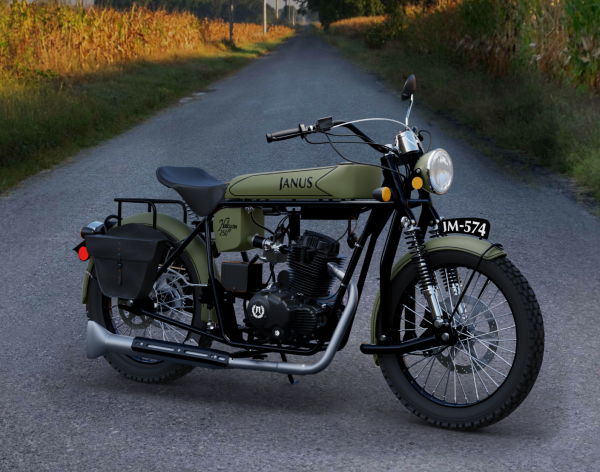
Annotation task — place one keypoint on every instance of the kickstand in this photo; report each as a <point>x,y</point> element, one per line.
<point>284,359</point>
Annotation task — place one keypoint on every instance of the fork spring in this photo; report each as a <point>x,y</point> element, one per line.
<point>450,275</point>
<point>419,256</point>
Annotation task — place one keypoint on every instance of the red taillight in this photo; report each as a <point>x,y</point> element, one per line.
<point>83,253</point>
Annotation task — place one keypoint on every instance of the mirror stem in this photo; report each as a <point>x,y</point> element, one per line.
<point>409,108</point>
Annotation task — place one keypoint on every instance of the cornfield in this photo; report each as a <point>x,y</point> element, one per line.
<point>355,27</point>
<point>53,39</point>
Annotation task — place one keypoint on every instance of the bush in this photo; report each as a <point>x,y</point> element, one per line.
<point>559,39</point>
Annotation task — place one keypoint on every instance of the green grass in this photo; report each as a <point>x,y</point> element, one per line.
<point>42,122</point>
<point>534,122</point>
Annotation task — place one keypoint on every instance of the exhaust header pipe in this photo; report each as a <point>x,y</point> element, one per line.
<point>99,342</point>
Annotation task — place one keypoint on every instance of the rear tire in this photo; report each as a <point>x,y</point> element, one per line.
<point>101,309</point>
<point>512,375</point>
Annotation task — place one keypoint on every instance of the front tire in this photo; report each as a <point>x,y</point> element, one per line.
<point>490,371</point>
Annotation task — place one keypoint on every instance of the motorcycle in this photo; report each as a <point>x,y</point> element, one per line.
<point>455,329</point>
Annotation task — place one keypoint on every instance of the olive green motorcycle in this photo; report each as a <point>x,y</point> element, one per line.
<point>456,328</point>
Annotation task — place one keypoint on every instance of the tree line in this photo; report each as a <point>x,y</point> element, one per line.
<point>330,11</point>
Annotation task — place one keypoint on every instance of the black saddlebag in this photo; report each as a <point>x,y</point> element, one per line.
<point>126,260</point>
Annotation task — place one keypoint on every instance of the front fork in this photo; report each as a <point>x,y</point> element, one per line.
<point>427,278</point>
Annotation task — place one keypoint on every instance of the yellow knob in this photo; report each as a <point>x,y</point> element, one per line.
<point>386,194</point>
<point>382,194</point>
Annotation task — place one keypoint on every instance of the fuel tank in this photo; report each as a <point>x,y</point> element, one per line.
<point>343,181</point>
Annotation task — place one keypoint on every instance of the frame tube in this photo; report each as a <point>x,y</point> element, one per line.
<point>100,341</point>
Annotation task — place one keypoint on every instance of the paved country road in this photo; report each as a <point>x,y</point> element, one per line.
<point>61,411</point>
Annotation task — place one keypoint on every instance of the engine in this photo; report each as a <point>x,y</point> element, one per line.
<point>293,310</point>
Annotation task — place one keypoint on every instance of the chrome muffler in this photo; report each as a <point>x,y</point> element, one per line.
<point>100,341</point>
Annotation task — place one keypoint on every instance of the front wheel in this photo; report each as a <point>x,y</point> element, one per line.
<point>491,368</point>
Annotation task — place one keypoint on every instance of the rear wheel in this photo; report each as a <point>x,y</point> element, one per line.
<point>172,297</point>
<point>493,365</point>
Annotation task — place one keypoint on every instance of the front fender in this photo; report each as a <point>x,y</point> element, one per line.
<point>196,250</point>
<point>458,243</point>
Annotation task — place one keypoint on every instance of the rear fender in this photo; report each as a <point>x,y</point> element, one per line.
<point>179,231</point>
<point>457,243</point>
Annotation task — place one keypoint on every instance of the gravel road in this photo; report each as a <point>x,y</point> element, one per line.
<point>61,411</point>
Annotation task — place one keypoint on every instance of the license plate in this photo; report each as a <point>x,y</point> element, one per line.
<point>473,226</point>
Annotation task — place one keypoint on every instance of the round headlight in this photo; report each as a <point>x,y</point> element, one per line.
<point>436,167</point>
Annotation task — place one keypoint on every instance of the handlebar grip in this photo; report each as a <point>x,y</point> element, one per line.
<point>282,135</point>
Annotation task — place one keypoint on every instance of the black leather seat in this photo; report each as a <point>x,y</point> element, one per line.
<point>200,190</point>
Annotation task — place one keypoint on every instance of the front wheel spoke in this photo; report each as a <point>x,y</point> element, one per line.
<point>441,378</point>
<point>489,303</point>
<point>410,366</point>
<point>459,380</point>
<point>495,353</point>
<point>424,307</point>
<point>471,296</point>
<point>424,367</point>
<point>490,332</point>
<point>447,382</point>
<point>484,366</point>
<point>475,284</point>
<point>429,373</point>
<point>499,347</point>
<point>485,286</point>
<point>420,316</point>
<point>489,309</point>
<point>494,318</point>
<point>452,355</point>
<point>475,370</point>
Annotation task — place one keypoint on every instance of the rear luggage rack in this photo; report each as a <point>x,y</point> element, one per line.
<point>151,202</point>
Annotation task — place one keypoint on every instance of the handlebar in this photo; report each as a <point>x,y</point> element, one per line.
<point>302,131</point>
<point>283,135</point>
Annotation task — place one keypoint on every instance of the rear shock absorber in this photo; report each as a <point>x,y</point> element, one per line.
<point>420,259</point>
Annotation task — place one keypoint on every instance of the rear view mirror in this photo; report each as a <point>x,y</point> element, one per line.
<point>409,88</point>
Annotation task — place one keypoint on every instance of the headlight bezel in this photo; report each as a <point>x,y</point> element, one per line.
<point>426,163</point>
